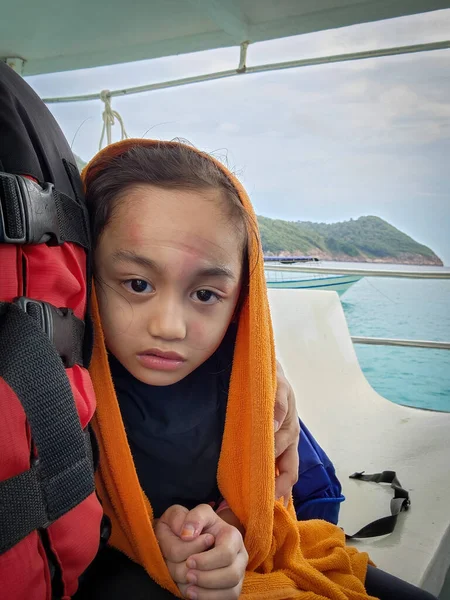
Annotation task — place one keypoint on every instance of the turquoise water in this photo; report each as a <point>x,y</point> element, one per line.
<point>402,308</point>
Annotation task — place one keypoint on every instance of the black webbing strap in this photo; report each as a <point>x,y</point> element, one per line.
<point>31,214</point>
<point>23,498</point>
<point>62,327</point>
<point>73,174</point>
<point>399,502</point>
<point>62,476</point>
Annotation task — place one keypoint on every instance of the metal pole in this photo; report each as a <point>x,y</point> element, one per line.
<point>243,70</point>
<point>372,341</point>
<point>361,271</point>
<point>16,64</point>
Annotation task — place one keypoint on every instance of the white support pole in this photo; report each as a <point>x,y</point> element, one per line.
<point>16,64</point>
<point>243,58</point>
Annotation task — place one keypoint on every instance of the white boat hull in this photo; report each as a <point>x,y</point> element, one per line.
<point>337,283</point>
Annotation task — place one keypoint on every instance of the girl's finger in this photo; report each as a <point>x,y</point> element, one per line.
<point>281,398</point>
<point>228,545</point>
<point>226,578</point>
<point>178,572</point>
<point>196,520</point>
<point>287,465</point>
<point>174,517</point>
<point>176,550</point>
<point>195,593</point>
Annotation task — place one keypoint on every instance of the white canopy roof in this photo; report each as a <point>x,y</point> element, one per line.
<point>60,35</point>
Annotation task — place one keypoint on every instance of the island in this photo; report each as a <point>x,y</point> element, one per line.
<point>366,239</point>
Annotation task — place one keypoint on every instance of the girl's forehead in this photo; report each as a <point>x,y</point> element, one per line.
<point>161,204</point>
<point>193,222</point>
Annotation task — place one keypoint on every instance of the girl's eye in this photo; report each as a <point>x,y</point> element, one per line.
<point>206,296</point>
<point>138,286</point>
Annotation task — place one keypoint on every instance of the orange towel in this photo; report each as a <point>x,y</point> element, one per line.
<point>287,559</point>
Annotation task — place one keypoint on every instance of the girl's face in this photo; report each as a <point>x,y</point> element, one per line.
<point>169,267</point>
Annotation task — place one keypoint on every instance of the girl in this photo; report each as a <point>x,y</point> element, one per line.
<point>185,378</point>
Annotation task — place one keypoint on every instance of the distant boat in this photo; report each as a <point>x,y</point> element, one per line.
<point>291,280</point>
<point>290,259</point>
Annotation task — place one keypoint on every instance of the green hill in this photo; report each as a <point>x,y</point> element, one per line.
<point>367,239</point>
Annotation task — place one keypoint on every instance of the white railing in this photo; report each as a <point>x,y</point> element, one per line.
<point>243,69</point>
<point>374,341</point>
<point>435,274</point>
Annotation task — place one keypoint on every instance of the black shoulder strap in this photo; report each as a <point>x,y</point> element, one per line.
<point>62,475</point>
<point>61,326</point>
<point>399,502</point>
<point>31,214</point>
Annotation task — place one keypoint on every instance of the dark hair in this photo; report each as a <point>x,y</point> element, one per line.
<point>165,165</point>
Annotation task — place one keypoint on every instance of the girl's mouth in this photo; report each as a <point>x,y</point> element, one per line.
<point>160,361</point>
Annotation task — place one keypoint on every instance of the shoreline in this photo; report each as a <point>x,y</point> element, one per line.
<point>413,260</point>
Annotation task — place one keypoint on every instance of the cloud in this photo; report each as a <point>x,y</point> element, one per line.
<point>229,127</point>
<point>423,28</point>
<point>322,143</point>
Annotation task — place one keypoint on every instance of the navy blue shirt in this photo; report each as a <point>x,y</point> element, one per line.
<point>175,432</point>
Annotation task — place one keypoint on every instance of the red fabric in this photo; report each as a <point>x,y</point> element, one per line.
<point>74,551</point>
<point>56,275</point>
<point>83,392</point>
<point>14,442</point>
<point>23,569</point>
<point>9,275</point>
<point>24,572</point>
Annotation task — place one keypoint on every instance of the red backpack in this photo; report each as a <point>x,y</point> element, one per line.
<point>50,517</point>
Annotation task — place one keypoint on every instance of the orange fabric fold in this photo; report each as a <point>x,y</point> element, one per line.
<point>287,559</point>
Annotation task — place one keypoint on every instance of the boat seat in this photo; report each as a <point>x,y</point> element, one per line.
<point>361,430</point>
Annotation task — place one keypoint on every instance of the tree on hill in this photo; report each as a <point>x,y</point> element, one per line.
<point>366,238</point>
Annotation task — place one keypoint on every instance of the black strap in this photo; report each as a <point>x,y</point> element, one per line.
<point>62,476</point>
<point>399,502</point>
<point>23,498</point>
<point>77,187</point>
<point>62,327</point>
<point>31,214</point>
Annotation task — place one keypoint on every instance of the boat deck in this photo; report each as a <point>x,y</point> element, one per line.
<point>363,431</point>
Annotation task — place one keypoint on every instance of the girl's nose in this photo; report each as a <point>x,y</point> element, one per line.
<point>166,319</point>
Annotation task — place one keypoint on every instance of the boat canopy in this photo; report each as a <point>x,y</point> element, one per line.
<point>50,35</point>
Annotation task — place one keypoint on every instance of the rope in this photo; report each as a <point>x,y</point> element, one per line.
<point>109,118</point>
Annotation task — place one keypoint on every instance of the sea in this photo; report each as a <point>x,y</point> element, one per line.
<point>407,309</point>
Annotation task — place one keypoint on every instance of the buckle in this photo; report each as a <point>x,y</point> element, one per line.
<point>57,323</point>
<point>28,212</point>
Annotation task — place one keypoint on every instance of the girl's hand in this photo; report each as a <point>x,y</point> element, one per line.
<point>207,574</point>
<point>174,549</point>
<point>287,433</point>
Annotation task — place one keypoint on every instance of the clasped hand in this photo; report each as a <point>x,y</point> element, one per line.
<point>206,556</point>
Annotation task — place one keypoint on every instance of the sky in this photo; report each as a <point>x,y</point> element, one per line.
<point>324,143</point>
